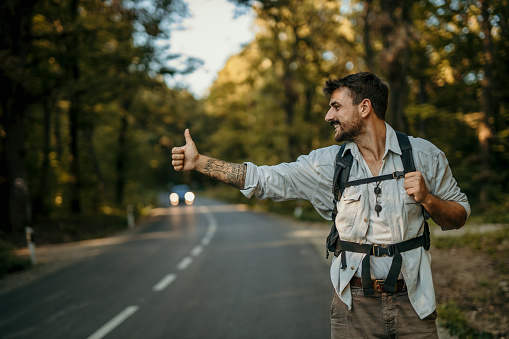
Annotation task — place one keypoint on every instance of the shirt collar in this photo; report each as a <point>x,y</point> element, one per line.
<point>391,143</point>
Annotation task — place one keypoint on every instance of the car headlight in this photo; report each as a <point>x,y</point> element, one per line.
<point>174,199</point>
<point>189,196</point>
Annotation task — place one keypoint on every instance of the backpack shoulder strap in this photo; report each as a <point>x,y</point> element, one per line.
<point>406,150</point>
<point>342,167</point>
<point>343,164</point>
<point>409,166</point>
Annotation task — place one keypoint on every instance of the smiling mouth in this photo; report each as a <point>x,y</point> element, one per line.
<point>335,124</point>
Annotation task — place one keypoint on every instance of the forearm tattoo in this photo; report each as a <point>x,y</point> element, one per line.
<point>227,172</point>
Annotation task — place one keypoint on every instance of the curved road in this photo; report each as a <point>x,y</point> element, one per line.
<point>210,270</point>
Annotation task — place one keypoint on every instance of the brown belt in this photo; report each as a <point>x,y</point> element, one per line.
<point>378,285</point>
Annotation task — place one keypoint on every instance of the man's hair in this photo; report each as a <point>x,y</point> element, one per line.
<point>363,85</point>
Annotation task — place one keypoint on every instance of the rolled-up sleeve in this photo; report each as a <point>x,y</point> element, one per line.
<point>308,178</point>
<point>446,187</point>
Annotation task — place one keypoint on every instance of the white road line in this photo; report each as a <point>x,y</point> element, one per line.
<point>211,218</point>
<point>164,282</point>
<point>197,251</point>
<point>212,229</point>
<point>184,263</point>
<point>212,226</point>
<point>113,323</point>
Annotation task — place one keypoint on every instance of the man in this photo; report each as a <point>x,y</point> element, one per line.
<point>381,213</point>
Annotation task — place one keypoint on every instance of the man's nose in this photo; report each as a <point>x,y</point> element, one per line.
<point>329,116</point>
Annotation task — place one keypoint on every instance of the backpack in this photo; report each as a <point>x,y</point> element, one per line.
<point>334,244</point>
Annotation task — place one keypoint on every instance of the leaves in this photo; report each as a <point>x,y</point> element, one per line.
<point>81,70</point>
<point>269,100</point>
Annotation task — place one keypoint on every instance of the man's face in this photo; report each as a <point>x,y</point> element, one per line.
<point>344,116</point>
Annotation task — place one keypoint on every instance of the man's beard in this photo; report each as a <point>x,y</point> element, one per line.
<point>350,130</point>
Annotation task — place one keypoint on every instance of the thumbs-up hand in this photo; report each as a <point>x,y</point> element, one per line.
<point>185,158</point>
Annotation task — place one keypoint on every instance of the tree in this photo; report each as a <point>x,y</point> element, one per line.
<point>66,59</point>
<point>15,45</point>
<point>272,90</point>
<point>459,49</point>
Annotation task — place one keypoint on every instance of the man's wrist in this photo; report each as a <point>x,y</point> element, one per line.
<point>200,163</point>
<point>428,201</point>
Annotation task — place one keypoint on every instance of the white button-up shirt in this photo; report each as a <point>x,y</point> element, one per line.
<point>311,178</point>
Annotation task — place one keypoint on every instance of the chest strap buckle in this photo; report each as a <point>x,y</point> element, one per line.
<point>382,250</point>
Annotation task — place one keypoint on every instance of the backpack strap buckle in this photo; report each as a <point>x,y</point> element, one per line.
<point>398,174</point>
<point>382,250</point>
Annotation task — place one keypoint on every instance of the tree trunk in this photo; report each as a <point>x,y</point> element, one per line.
<point>57,134</point>
<point>89,133</point>
<point>396,37</point>
<point>486,128</point>
<point>15,188</point>
<point>74,170</point>
<point>398,95</point>
<point>422,99</point>
<point>15,43</point>
<point>120,164</point>
<point>74,110</point>
<point>368,48</point>
<point>39,201</point>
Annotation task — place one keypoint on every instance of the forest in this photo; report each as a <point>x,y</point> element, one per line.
<point>87,122</point>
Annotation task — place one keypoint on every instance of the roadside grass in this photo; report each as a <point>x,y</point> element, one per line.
<point>9,262</point>
<point>61,229</point>
<point>56,230</point>
<point>475,303</point>
<point>495,244</point>
<point>453,318</point>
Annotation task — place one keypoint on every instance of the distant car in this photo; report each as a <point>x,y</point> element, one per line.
<point>181,194</point>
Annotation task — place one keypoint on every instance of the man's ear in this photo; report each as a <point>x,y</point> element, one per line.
<point>365,107</point>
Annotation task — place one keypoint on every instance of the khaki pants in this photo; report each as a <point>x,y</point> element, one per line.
<point>383,315</point>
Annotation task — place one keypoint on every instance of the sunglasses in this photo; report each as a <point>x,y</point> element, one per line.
<point>378,191</point>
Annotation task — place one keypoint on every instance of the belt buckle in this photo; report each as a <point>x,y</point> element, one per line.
<point>378,285</point>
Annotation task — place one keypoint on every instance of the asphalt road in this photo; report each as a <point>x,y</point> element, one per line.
<point>209,270</point>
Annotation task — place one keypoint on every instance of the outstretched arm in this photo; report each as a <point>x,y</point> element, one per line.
<point>187,158</point>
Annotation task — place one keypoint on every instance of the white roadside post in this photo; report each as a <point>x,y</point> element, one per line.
<point>130,216</point>
<point>29,231</point>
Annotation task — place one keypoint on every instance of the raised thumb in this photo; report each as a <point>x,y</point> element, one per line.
<point>187,135</point>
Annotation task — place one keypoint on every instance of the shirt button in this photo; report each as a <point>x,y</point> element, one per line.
<point>353,267</point>
<point>365,219</point>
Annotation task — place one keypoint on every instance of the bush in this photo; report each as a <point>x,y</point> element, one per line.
<point>457,323</point>
<point>9,262</point>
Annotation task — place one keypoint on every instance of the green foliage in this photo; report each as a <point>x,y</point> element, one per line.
<point>102,63</point>
<point>487,242</point>
<point>65,228</point>
<point>9,262</point>
<point>271,109</point>
<point>98,117</point>
<point>453,318</point>
<point>269,96</point>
